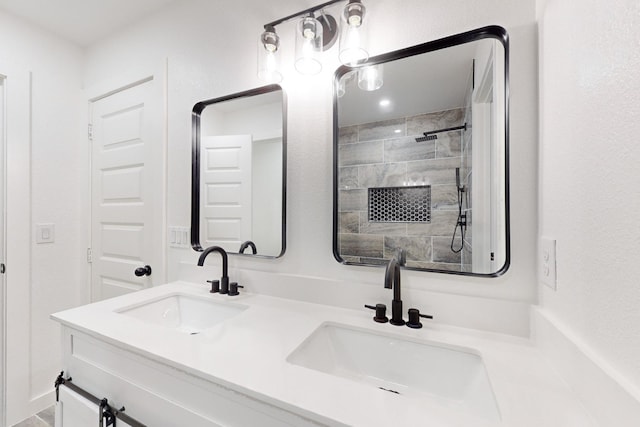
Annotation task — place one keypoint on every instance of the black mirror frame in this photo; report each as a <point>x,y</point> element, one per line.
<point>489,32</point>
<point>195,165</point>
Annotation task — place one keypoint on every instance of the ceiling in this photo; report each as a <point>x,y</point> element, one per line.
<point>425,83</point>
<point>82,22</point>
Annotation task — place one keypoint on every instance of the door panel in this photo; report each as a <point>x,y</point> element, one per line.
<point>127,190</point>
<point>226,188</point>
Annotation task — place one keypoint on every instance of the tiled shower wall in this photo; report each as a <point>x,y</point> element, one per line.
<point>386,154</point>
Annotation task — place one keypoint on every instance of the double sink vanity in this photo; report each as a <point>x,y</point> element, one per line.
<point>177,354</point>
<point>406,182</point>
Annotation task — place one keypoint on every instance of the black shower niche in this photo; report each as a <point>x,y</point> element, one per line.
<point>400,204</point>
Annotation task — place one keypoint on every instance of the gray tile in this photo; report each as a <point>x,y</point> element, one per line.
<point>444,197</point>
<point>351,259</point>
<point>442,224</point>
<point>352,200</point>
<point>407,149</point>
<point>465,175</point>
<point>349,222</point>
<point>348,135</point>
<point>433,266</point>
<point>417,248</point>
<point>467,144</point>
<point>367,227</point>
<point>374,261</point>
<point>448,145</point>
<point>348,178</point>
<point>467,253</point>
<point>385,175</point>
<point>32,422</point>
<point>363,245</point>
<point>361,153</point>
<point>48,415</point>
<point>436,171</point>
<point>442,250</point>
<point>381,130</point>
<point>416,125</point>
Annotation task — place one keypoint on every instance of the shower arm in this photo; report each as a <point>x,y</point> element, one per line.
<point>433,132</point>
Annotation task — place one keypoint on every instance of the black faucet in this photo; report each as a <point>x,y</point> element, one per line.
<point>224,280</point>
<point>392,280</point>
<point>246,245</point>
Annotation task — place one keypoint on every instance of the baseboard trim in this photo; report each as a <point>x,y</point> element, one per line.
<point>607,395</point>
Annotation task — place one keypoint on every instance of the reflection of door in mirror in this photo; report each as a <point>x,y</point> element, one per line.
<point>420,161</point>
<point>225,188</point>
<point>241,161</point>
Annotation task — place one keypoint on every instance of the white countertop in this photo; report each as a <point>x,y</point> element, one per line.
<point>249,353</point>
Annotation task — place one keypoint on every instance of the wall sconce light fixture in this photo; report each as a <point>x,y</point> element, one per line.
<point>353,36</point>
<point>313,36</point>
<point>309,35</point>
<point>269,56</point>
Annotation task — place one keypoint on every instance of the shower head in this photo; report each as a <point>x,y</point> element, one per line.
<point>427,137</point>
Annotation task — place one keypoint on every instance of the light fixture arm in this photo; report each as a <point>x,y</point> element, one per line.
<point>305,12</point>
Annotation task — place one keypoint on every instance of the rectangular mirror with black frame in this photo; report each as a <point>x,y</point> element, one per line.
<point>238,192</point>
<point>421,156</point>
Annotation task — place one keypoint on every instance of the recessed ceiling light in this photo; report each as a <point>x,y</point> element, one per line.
<point>397,130</point>
<point>384,102</point>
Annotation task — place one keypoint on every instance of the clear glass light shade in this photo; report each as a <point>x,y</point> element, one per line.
<point>353,37</point>
<point>371,77</point>
<point>341,85</point>
<point>269,57</point>
<point>308,46</point>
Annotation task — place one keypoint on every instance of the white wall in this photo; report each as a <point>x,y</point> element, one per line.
<point>211,52</point>
<point>590,185</point>
<point>46,177</point>
<point>267,191</point>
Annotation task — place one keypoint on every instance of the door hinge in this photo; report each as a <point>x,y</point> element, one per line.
<point>90,131</point>
<point>89,255</point>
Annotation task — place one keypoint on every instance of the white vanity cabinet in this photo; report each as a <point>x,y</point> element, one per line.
<point>153,393</point>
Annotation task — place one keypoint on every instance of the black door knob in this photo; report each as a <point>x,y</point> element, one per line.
<point>143,271</point>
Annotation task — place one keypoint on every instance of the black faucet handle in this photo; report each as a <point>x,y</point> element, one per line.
<point>233,289</point>
<point>215,286</point>
<point>381,312</point>
<point>414,318</point>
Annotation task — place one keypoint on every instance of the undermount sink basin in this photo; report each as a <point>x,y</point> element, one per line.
<point>451,376</point>
<point>184,313</point>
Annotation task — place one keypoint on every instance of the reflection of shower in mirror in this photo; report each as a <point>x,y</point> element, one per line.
<point>461,222</point>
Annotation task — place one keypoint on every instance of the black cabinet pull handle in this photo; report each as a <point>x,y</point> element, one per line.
<point>143,271</point>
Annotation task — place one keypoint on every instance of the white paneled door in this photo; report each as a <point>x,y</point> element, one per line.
<point>127,190</point>
<point>226,190</point>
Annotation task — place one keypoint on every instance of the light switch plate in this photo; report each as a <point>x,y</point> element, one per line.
<point>548,262</point>
<point>45,233</point>
<point>179,237</point>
